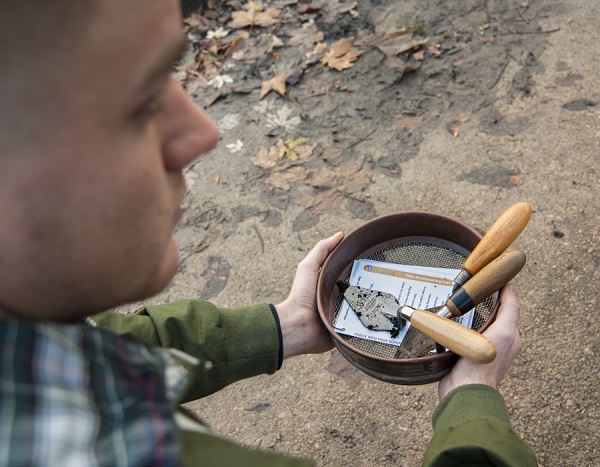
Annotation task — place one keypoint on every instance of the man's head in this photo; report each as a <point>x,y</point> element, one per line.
<point>94,135</point>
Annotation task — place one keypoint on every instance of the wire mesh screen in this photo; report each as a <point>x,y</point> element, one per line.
<point>415,254</point>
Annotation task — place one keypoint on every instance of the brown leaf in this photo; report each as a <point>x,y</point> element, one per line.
<point>295,150</point>
<point>319,201</point>
<point>305,37</point>
<point>266,159</point>
<point>236,43</point>
<point>276,84</point>
<point>433,49</point>
<point>283,179</point>
<point>348,178</point>
<point>353,178</point>
<point>196,21</point>
<point>309,6</point>
<point>254,48</point>
<point>420,55</point>
<point>323,178</point>
<point>254,16</point>
<point>341,56</point>
<point>193,85</point>
<point>515,180</point>
<point>336,7</point>
<point>306,198</point>
<point>329,201</point>
<point>284,154</point>
<point>395,44</point>
<point>316,54</point>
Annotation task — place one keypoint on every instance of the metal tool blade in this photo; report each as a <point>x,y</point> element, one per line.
<point>376,310</point>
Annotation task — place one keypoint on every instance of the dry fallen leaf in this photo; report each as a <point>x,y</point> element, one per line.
<point>348,178</point>
<point>323,178</point>
<point>266,159</point>
<point>305,37</point>
<point>295,149</point>
<point>453,127</point>
<point>515,180</point>
<point>255,16</point>
<point>284,178</point>
<point>319,201</point>
<point>433,49</point>
<point>284,154</point>
<point>394,44</point>
<point>353,178</point>
<point>276,84</point>
<point>341,56</point>
<point>306,198</point>
<point>329,201</point>
<point>310,6</point>
<point>336,7</point>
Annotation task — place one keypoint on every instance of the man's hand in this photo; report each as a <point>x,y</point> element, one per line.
<point>302,329</point>
<point>505,336</point>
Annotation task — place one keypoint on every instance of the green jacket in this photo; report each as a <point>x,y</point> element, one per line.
<point>471,427</point>
<point>471,424</point>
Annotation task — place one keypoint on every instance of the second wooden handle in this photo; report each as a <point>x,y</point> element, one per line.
<point>495,275</point>
<point>456,337</point>
<point>486,282</point>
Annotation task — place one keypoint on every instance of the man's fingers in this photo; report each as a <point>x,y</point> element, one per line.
<point>503,332</point>
<point>510,308</point>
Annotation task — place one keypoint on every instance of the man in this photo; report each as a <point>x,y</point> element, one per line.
<point>94,137</point>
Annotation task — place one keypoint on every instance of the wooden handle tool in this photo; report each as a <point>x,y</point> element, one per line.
<point>456,337</point>
<point>483,284</point>
<point>497,239</point>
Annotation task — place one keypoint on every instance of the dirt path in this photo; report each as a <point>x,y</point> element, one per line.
<point>500,107</point>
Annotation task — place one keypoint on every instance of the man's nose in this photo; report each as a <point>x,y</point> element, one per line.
<point>186,130</point>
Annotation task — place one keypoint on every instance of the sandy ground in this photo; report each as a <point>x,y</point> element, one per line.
<point>507,112</point>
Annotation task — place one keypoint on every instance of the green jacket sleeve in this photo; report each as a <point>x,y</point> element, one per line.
<point>231,343</point>
<point>208,450</point>
<point>472,427</point>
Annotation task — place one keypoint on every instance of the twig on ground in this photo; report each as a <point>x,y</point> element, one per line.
<point>260,239</point>
<point>499,75</point>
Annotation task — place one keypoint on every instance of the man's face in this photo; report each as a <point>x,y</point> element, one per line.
<point>89,212</point>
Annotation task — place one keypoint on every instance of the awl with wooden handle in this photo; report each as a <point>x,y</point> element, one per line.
<point>450,334</point>
<point>497,239</point>
<point>482,285</point>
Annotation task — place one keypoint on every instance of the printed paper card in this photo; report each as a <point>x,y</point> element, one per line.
<point>416,286</point>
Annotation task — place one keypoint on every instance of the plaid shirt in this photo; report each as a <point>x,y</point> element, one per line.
<point>75,395</point>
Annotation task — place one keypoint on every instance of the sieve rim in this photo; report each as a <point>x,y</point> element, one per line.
<point>376,235</point>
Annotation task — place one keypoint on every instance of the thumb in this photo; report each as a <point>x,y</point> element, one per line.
<point>317,256</point>
<point>510,309</point>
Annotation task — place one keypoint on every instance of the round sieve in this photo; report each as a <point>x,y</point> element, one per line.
<point>410,238</point>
